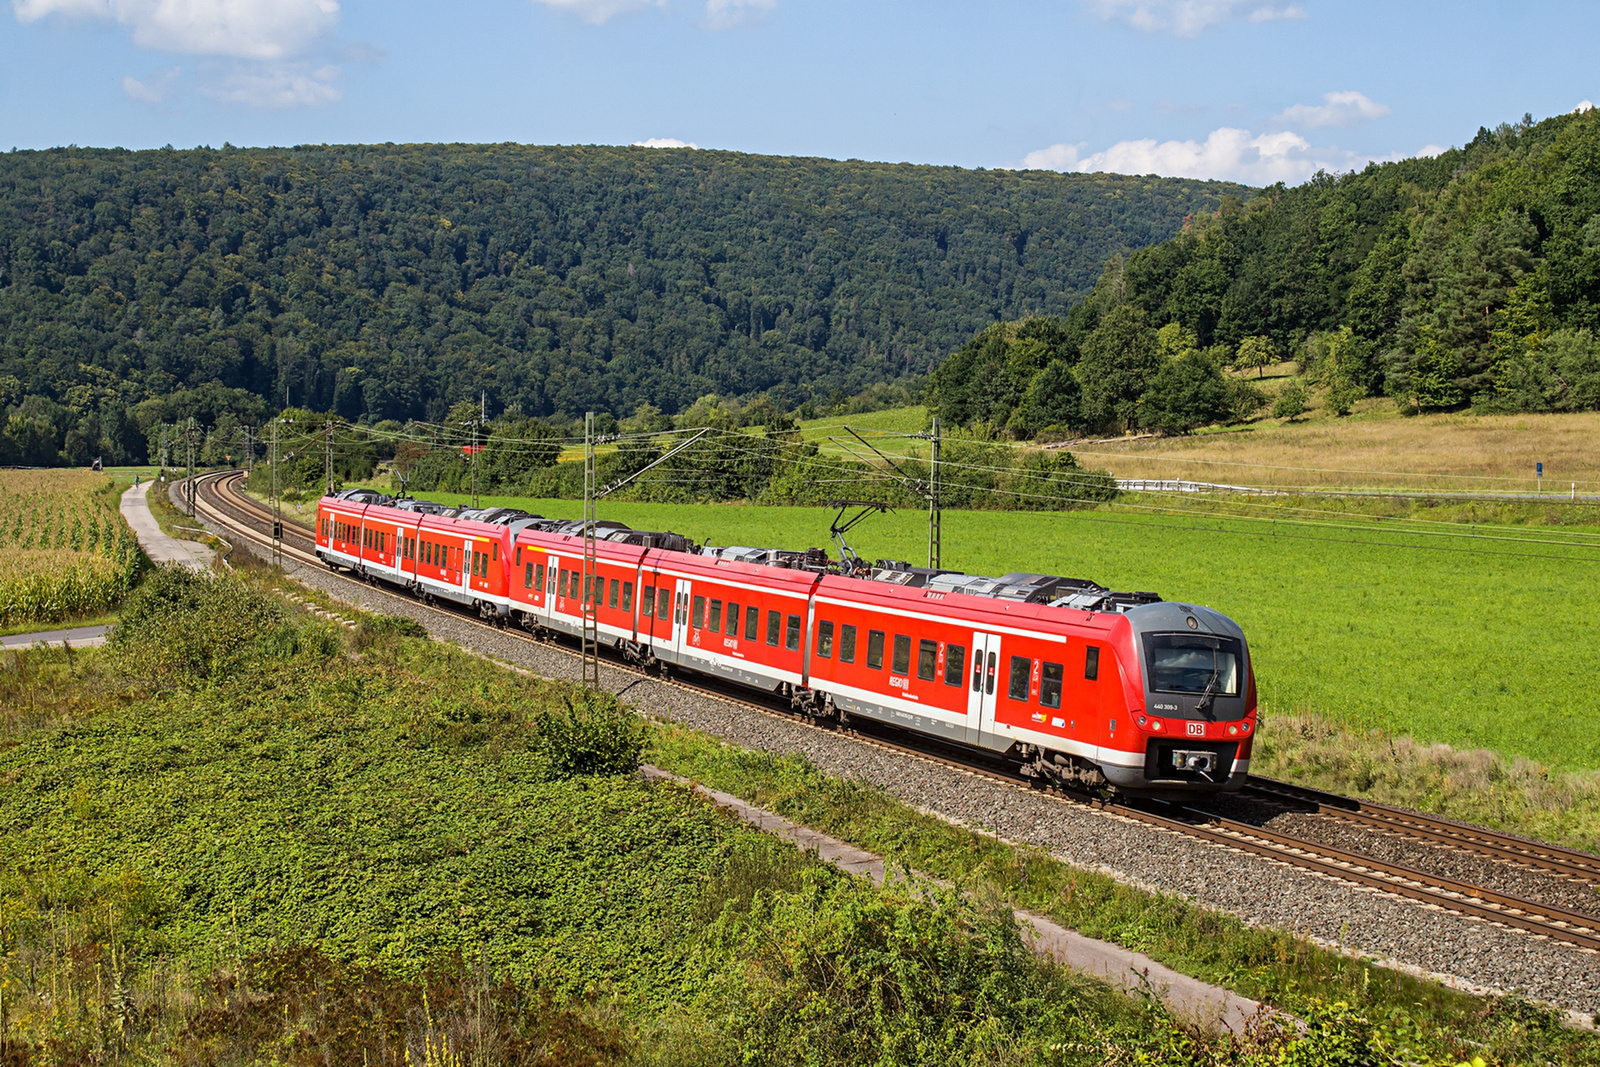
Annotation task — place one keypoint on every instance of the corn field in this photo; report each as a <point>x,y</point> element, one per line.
<point>64,549</point>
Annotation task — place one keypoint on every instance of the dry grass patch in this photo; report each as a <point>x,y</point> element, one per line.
<point>1375,450</point>
<point>1515,794</point>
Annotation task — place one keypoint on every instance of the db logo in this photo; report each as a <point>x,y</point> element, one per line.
<point>1197,729</point>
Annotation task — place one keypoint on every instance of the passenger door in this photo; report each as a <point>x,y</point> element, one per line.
<point>680,618</point>
<point>982,683</point>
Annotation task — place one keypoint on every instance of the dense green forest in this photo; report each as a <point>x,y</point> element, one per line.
<point>1472,278</point>
<point>389,282</point>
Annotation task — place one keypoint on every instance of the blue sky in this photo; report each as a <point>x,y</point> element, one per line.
<point>1253,90</point>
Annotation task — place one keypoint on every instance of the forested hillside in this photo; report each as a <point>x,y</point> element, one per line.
<point>1469,279</point>
<point>388,282</point>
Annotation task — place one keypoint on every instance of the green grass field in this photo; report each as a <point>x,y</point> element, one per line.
<point>1455,638</point>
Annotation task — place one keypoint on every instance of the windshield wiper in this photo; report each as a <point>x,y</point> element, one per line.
<point>1209,695</point>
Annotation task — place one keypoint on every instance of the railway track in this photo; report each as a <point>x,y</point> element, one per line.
<point>219,501</point>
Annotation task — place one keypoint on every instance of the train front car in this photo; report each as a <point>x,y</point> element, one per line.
<point>1189,702</point>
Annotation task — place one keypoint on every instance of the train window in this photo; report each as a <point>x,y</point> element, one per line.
<point>613,594</point>
<point>647,601</point>
<point>791,636</point>
<point>774,624</point>
<point>752,622</point>
<point>1091,663</point>
<point>538,576</point>
<point>847,644</point>
<point>627,596</point>
<point>663,602</point>
<point>977,672</point>
<point>901,664</point>
<point>1021,672</point>
<point>955,664</point>
<point>699,618</point>
<point>825,640</point>
<point>988,685</point>
<point>527,575</point>
<point>927,659</point>
<point>496,550</point>
<point>1050,685</point>
<point>519,555</point>
<point>875,649</point>
<point>1191,663</point>
<point>733,620</point>
<point>716,616</point>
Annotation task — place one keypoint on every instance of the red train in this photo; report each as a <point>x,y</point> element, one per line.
<point>1071,679</point>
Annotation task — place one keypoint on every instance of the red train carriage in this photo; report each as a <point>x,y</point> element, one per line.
<point>1068,678</point>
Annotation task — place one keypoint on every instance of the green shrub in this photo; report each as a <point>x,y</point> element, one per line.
<point>384,629</point>
<point>594,736</point>
<point>184,628</point>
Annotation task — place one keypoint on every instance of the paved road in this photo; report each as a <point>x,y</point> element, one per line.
<point>78,637</point>
<point>156,544</point>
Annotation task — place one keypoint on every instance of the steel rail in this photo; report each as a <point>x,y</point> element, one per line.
<point>1555,923</point>
<point>1465,837</point>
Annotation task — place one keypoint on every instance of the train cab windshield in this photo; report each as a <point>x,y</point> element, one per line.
<point>1193,663</point>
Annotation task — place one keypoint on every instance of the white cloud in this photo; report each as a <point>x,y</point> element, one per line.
<point>664,142</point>
<point>154,89</point>
<point>1583,105</point>
<point>1056,157</point>
<point>595,12</point>
<point>1340,109</point>
<point>273,85</point>
<point>1189,18</point>
<point>1227,153</point>
<point>725,14</point>
<point>245,29</point>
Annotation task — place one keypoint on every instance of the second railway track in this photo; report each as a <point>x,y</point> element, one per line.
<point>219,501</point>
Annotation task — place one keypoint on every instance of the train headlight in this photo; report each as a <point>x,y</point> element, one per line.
<point>1245,726</point>
<point>1234,730</point>
<point>1155,724</point>
<point>1143,719</point>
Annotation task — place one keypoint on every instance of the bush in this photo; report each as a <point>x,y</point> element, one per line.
<point>1342,395</point>
<point>186,628</point>
<point>862,976</point>
<point>375,629</point>
<point>1291,403</point>
<point>594,736</point>
<point>1247,399</point>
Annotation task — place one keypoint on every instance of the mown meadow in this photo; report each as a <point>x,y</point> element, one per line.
<point>1470,636</point>
<point>64,549</point>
